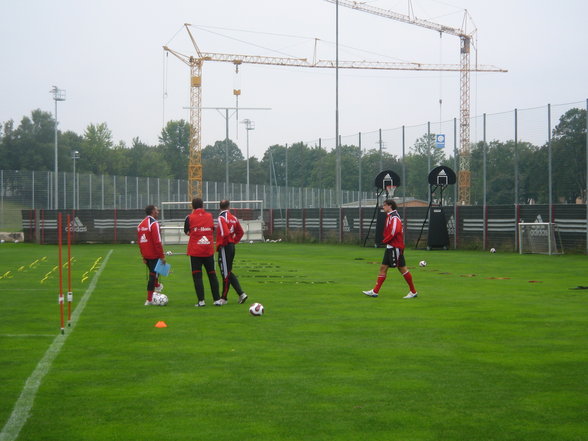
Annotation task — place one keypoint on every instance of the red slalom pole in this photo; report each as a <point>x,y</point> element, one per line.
<point>60,263</point>
<point>69,291</point>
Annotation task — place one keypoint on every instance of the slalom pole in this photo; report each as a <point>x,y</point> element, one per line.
<point>60,263</point>
<point>69,291</point>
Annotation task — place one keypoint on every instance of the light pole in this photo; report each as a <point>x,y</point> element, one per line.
<point>75,155</point>
<point>249,125</point>
<point>58,95</point>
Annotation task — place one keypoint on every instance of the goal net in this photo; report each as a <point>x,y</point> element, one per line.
<point>539,238</point>
<point>173,215</point>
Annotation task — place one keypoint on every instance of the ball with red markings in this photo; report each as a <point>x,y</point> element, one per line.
<point>256,309</point>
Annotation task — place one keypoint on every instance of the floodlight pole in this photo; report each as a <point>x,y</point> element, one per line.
<point>58,95</point>
<point>249,125</point>
<point>226,116</point>
<point>75,155</point>
<point>337,142</point>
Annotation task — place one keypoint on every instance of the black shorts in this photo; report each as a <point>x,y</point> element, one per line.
<point>394,258</point>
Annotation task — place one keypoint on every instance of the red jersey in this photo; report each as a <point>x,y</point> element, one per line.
<point>228,230</point>
<point>149,239</point>
<point>393,233</point>
<point>200,226</point>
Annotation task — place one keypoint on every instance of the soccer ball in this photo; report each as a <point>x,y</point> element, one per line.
<point>2,241</point>
<point>256,309</point>
<point>159,299</point>
<point>15,240</point>
<point>492,250</point>
<point>423,263</point>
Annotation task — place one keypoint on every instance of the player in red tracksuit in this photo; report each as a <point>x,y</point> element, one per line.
<point>149,240</point>
<point>228,233</point>
<point>200,227</point>
<point>394,254</point>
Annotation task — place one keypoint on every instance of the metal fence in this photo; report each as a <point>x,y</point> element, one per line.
<point>21,189</point>
<point>469,227</point>
<point>35,190</point>
<point>518,126</point>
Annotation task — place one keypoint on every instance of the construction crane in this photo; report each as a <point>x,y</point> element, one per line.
<point>464,176</point>
<point>195,63</point>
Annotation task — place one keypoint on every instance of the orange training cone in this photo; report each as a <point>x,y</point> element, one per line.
<point>160,324</point>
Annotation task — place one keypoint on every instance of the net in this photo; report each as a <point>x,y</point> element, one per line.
<point>539,238</point>
<point>173,215</point>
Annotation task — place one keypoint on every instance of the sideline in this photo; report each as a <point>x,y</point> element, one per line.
<point>22,408</point>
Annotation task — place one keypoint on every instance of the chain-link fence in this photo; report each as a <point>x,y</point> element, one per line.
<point>35,190</point>
<point>520,157</point>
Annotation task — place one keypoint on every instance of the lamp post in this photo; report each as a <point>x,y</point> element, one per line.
<point>75,155</point>
<point>249,125</point>
<point>58,95</point>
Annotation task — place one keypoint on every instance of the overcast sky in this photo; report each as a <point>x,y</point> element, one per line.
<point>108,57</point>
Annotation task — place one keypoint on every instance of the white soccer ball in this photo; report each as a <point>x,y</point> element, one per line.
<point>159,299</point>
<point>250,241</point>
<point>15,240</point>
<point>423,263</point>
<point>256,309</point>
<point>168,253</point>
<point>492,250</point>
<point>2,241</point>
<point>132,241</point>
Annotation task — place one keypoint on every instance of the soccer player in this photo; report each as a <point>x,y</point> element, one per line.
<point>394,254</point>
<point>228,233</point>
<point>149,240</point>
<point>200,227</point>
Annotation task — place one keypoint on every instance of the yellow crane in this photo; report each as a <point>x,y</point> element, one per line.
<point>195,63</point>
<point>464,177</point>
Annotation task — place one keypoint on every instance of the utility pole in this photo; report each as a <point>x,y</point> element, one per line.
<point>58,95</point>
<point>249,125</point>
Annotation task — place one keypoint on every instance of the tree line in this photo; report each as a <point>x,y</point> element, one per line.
<point>30,146</point>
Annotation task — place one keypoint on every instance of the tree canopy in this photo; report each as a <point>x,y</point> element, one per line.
<point>29,145</point>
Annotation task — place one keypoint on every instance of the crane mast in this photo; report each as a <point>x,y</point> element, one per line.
<point>196,62</point>
<point>464,177</point>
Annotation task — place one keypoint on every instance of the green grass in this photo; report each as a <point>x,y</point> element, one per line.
<point>481,354</point>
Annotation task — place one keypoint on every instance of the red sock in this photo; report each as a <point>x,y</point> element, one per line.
<point>408,277</point>
<point>379,283</point>
<point>149,296</point>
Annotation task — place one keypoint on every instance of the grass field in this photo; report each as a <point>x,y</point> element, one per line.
<point>494,348</point>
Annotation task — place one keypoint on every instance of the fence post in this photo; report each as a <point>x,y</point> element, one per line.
<point>484,192</point>
<point>115,222</point>
<point>455,186</point>
<point>549,164</point>
<point>320,225</point>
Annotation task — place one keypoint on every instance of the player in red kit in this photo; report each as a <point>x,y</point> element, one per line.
<point>394,254</point>
<point>149,240</point>
<point>228,233</point>
<point>200,227</point>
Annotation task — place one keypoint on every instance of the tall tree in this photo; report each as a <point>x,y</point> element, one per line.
<point>214,162</point>
<point>145,160</point>
<point>96,147</point>
<point>569,156</point>
<point>174,144</point>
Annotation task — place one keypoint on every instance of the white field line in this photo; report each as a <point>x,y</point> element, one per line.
<point>24,404</point>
